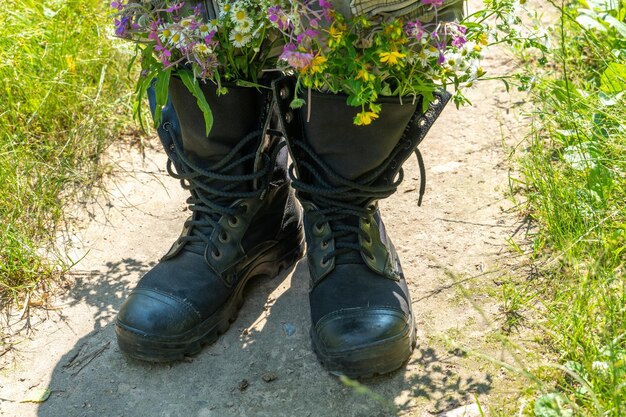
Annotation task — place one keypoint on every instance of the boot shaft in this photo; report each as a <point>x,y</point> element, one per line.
<point>342,170</point>
<point>236,114</point>
<point>351,150</point>
<point>345,153</point>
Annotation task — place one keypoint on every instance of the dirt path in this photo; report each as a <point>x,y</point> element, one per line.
<point>455,242</point>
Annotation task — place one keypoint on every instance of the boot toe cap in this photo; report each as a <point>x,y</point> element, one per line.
<point>361,328</point>
<point>151,312</point>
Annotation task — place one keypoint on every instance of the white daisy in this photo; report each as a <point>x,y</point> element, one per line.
<point>244,26</point>
<point>239,39</point>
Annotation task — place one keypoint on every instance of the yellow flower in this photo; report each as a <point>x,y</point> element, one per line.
<point>391,58</point>
<point>317,64</point>
<point>365,118</point>
<point>364,75</point>
<point>336,32</point>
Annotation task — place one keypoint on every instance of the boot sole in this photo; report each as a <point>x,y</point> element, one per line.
<point>150,348</point>
<point>371,360</point>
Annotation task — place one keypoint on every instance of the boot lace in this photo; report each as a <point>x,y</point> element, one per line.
<point>214,189</point>
<point>342,202</point>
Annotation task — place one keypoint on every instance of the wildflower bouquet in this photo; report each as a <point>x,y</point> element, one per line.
<point>365,58</point>
<point>231,43</point>
<point>364,55</point>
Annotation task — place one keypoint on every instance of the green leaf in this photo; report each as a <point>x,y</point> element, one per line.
<point>551,405</point>
<point>250,84</point>
<point>619,26</point>
<point>37,395</point>
<point>193,86</point>
<point>588,22</point>
<point>160,89</point>
<point>613,80</point>
<point>296,103</point>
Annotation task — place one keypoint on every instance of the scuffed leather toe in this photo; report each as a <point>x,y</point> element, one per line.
<point>361,328</point>
<point>155,313</point>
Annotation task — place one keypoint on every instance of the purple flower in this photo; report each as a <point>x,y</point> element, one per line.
<point>459,41</point>
<point>117,5</point>
<point>198,9</point>
<point>277,15</point>
<point>209,38</point>
<point>415,29</point>
<point>164,54</point>
<point>327,9</point>
<point>121,26</point>
<point>175,7</point>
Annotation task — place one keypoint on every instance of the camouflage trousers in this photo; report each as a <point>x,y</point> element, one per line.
<point>406,9</point>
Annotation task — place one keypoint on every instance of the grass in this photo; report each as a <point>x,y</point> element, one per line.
<point>574,177</point>
<point>60,108</point>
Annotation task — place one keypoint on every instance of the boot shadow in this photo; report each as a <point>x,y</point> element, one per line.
<point>263,365</point>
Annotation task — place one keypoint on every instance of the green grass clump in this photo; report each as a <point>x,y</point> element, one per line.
<point>60,106</point>
<point>575,178</point>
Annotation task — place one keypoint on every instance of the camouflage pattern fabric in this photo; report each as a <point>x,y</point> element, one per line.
<point>406,9</point>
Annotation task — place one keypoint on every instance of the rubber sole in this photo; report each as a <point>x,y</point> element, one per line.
<point>379,358</point>
<point>153,348</point>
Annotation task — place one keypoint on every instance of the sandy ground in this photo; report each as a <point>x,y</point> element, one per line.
<point>453,250</point>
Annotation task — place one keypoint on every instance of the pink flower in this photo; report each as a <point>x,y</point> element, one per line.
<point>304,39</point>
<point>297,60</point>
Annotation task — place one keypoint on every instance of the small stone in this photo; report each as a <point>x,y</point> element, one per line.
<point>243,385</point>
<point>289,329</point>
<point>269,376</point>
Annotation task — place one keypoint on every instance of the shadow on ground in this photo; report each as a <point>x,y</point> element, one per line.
<point>263,366</point>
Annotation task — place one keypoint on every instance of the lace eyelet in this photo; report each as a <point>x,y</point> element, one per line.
<point>224,237</point>
<point>318,229</point>
<point>324,244</point>
<point>284,93</point>
<point>244,207</point>
<point>367,221</point>
<point>324,262</point>
<point>216,254</point>
<point>371,257</point>
<point>367,239</point>
<point>233,221</point>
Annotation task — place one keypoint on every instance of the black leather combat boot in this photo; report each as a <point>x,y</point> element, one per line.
<point>245,223</point>
<point>362,324</point>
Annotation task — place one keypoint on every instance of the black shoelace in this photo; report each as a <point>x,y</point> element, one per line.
<point>344,201</point>
<point>215,188</point>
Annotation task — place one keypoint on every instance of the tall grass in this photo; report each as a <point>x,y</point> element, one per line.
<point>575,180</point>
<point>60,107</point>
